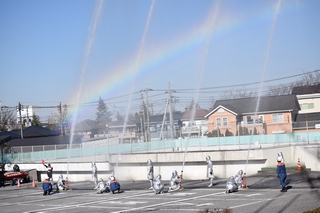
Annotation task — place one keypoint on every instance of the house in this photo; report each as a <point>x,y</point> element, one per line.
<point>308,98</point>
<point>90,129</point>
<point>31,132</point>
<point>127,131</point>
<point>194,123</point>
<point>309,115</point>
<point>274,114</point>
<point>37,138</point>
<point>159,126</point>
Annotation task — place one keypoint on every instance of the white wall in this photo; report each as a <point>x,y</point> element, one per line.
<point>225,163</point>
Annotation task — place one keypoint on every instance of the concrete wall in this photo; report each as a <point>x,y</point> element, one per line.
<point>226,163</point>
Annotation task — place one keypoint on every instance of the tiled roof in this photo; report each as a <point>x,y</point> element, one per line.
<point>199,114</point>
<point>120,124</point>
<point>303,90</point>
<point>54,140</point>
<point>266,104</point>
<point>87,126</point>
<point>159,118</point>
<point>31,132</point>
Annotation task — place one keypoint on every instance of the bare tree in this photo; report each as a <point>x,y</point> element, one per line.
<point>238,93</point>
<point>58,119</point>
<point>281,89</point>
<point>307,79</point>
<point>193,105</point>
<point>7,119</point>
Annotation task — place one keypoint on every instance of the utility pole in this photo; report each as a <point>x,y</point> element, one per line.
<point>60,111</point>
<point>64,119</point>
<point>19,107</point>
<point>147,106</point>
<point>27,116</point>
<point>144,118</point>
<point>1,114</point>
<point>171,117</point>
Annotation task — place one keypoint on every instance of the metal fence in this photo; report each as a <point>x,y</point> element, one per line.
<point>29,154</point>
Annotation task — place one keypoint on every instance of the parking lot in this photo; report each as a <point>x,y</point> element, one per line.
<point>263,195</point>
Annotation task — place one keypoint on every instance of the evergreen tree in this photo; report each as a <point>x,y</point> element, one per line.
<point>103,115</point>
<point>35,120</point>
<point>119,117</point>
<point>228,133</point>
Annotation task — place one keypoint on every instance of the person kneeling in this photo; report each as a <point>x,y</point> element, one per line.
<point>114,185</point>
<point>47,187</point>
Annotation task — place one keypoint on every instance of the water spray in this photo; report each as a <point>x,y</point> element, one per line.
<point>263,74</point>
<point>212,15</point>
<point>135,74</point>
<point>92,31</point>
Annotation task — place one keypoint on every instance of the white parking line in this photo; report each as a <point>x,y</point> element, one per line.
<point>206,204</point>
<point>169,202</point>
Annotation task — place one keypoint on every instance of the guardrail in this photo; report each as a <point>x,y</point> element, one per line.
<point>30,154</point>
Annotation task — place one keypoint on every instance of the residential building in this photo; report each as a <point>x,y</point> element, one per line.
<point>160,126</point>
<point>308,98</point>
<point>90,129</point>
<point>308,118</point>
<point>194,123</point>
<point>264,115</point>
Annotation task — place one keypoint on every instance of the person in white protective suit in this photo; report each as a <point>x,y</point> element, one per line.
<point>280,157</point>
<point>60,185</point>
<point>210,173</point>
<point>94,173</point>
<point>231,185</point>
<point>108,183</point>
<point>157,186</point>
<point>175,181</point>
<point>100,187</point>
<point>150,172</point>
<point>238,179</point>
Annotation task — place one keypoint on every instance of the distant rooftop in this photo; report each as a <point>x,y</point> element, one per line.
<point>303,90</point>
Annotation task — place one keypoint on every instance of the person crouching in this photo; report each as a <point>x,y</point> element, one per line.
<point>114,185</point>
<point>47,187</point>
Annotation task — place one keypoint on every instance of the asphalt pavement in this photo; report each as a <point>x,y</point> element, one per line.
<point>262,195</point>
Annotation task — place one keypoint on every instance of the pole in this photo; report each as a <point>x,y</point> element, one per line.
<point>307,128</point>
<point>27,116</point>
<point>171,117</point>
<point>1,114</point>
<point>148,119</point>
<point>144,118</point>
<point>239,134</point>
<point>19,108</point>
<point>60,110</point>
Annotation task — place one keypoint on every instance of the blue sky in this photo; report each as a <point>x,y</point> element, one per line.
<point>72,52</point>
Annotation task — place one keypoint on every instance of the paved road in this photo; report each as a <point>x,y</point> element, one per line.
<point>263,195</point>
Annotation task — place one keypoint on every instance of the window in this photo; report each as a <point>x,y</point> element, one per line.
<point>305,106</point>
<point>261,118</point>
<point>276,118</point>
<point>218,121</point>
<point>225,121</point>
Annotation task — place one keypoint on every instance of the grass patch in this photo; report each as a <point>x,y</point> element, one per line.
<point>313,211</point>
<point>288,168</point>
<point>215,210</point>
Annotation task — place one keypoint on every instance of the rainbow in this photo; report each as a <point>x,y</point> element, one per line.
<point>121,76</point>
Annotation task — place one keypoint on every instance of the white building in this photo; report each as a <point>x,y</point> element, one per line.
<point>26,115</point>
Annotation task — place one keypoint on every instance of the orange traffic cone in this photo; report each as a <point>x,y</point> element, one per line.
<point>299,165</point>
<point>67,184</point>
<point>18,183</point>
<point>33,183</point>
<point>181,177</point>
<point>244,181</point>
